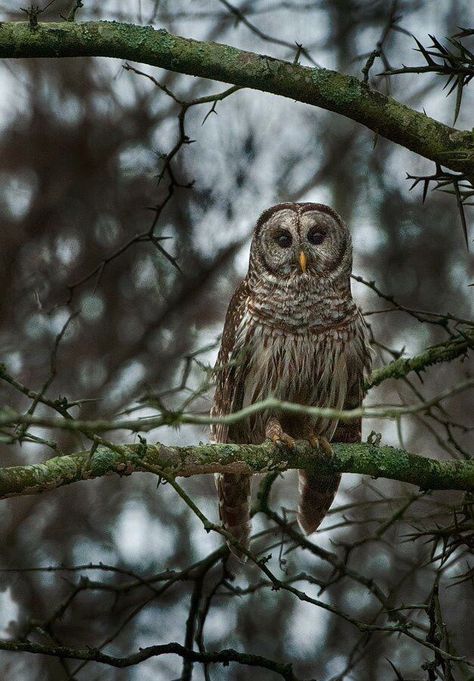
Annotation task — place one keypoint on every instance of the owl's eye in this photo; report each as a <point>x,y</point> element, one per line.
<point>316,236</point>
<point>283,239</point>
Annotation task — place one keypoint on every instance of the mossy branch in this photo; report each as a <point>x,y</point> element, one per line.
<point>367,459</point>
<point>324,88</point>
<point>444,352</point>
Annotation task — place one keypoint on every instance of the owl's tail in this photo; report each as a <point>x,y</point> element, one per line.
<point>316,494</point>
<point>234,508</point>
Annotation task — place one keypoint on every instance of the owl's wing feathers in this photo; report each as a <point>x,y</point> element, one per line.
<point>360,363</point>
<point>317,492</point>
<point>233,489</point>
<point>230,366</point>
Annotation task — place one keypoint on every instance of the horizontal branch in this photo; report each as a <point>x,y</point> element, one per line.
<point>363,458</point>
<point>324,88</point>
<point>271,404</point>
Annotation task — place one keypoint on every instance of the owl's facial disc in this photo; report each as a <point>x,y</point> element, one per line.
<point>297,245</point>
<point>324,241</point>
<point>277,243</point>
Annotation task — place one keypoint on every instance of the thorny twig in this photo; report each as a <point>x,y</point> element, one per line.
<point>454,60</point>
<point>166,171</point>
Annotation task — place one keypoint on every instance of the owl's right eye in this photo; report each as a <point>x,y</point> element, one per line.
<point>283,239</point>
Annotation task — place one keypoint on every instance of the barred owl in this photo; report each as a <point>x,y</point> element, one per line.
<point>292,331</point>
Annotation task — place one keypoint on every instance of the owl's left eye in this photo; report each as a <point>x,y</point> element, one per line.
<point>316,236</point>
<point>283,239</point>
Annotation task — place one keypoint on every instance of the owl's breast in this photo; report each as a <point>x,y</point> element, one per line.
<point>291,366</point>
<point>307,368</point>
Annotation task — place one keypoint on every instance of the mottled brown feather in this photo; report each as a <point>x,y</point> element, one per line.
<point>233,490</point>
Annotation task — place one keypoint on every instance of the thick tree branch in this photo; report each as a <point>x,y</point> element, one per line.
<point>363,458</point>
<point>324,88</point>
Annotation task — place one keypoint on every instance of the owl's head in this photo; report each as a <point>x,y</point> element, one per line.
<point>301,242</point>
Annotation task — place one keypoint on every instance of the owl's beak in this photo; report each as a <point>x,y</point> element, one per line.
<point>303,260</point>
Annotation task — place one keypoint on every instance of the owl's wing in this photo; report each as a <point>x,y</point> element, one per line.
<point>233,489</point>
<point>230,366</point>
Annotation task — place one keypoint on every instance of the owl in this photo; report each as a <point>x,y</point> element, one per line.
<point>293,332</point>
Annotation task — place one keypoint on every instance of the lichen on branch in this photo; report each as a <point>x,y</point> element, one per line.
<point>319,87</point>
<point>401,367</point>
<point>363,458</point>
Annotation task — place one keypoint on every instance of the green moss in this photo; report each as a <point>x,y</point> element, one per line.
<point>340,89</point>
<point>366,459</point>
<point>439,353</point>
<point>319,87</point>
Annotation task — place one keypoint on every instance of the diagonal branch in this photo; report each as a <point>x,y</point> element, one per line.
<point>221,657</point>
<point>362,458</point>
<point>324,88</point>
<point>444,352</point>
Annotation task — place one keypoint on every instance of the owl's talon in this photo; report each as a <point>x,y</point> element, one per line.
<point>284,439</point>
<point>325,447</point>
<point>275,433</point>
<point>320,443</point>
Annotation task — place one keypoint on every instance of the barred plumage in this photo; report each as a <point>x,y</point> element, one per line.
<point>292,331</point>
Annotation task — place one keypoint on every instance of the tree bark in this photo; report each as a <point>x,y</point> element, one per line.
<point>368,459</point>
<point>324,88</point>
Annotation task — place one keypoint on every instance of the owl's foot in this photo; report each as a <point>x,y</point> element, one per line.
<point>320,442</point>
<point>284,439</point>
<point>276,434</point>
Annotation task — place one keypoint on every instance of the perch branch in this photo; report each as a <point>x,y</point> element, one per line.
<point>363,458</point>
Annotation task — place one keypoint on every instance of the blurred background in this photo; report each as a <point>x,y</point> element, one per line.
<point>83,144</point>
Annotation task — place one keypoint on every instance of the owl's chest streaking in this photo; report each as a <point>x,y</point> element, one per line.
<point>312,366</point>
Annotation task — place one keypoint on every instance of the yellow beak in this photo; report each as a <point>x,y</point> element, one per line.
<point>303,261</point>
